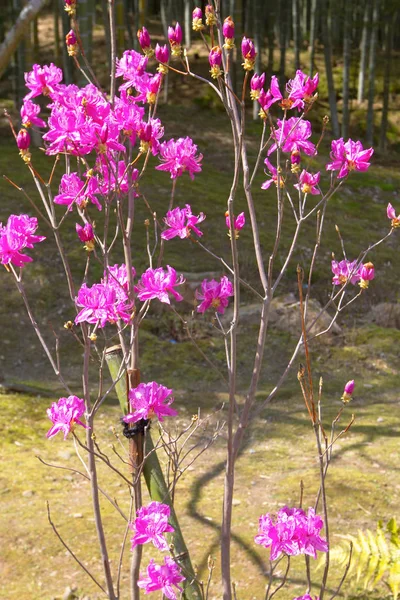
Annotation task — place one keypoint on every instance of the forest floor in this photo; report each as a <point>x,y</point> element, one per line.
<point>278,452</point>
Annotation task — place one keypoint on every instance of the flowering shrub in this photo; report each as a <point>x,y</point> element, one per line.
<point>110,139</point>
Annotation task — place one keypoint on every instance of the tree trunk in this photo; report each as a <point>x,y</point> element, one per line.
<point>17,32</point>
<point>86,21</point>
<point>283,23</point>
<point>188,22</point>
<point>270,20</point>
<point>120,26</point>
<point>313,29</point>
<point>56,19</point>
<point>371,74</point>
<point>296,33</point>
<point>347,30</point>
<point>386,82</point>
<point>326,35</point>
<point>107,32</point>
<point>364,50</point>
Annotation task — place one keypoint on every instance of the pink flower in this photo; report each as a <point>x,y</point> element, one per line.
<point>86,235</point>
<point>308,182</point>
<point>367,274</point>
<point>148,400</point>
<point>150,525</point>
<point>131,67</point>
<point>345,270</point>
<point>349,156</point>
<point>29,114</point>
<point>65,414</point>
<point>42,80</point>
<point>180,156</point>
<point>293,135</point>
<point>117,278</point>
<point>101,305</point>
<point>292,532</point>
<point>391,214</point>
<point>348,391</point>
<point>274,177</point>
<point>256,85</point>
<point>150,132</point>
<point>300,90</point>
<point>156,283</point>
<point>267,99</point>
<point>306,597</point>
<point>248,53</point>
<point>162,53</point>
<point>180,222</point>
<point>107,183</point>
<point>162,577</point>
<point>73,190</point>
<point>214,295</point>
<point>15,236</point>
<point>238,223</point>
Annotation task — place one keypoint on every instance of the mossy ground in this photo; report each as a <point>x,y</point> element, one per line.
<point>278,451</point>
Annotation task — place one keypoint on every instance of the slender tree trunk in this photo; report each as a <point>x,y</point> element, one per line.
<point>346,66</point>
<point>296,33</point>
<point>56,19</point>
<point>364,51</point>
<point>328,67</point>
<point>188,22</point>
<point>386,82</point>
<point>128,21</point>
<point>313,29</point>
<point>371,74</point>
<point>120,26</point>
<point>283,25</point>
<point>35,35</point>
<point>86,21</point>
<point>270,20</point>
<point>107,33</point>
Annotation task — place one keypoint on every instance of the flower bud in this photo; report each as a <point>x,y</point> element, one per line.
<point>211,19</point>
<point>391,214</point>
<point>367,273</point>
<point>238,223</point>
<point>153,88</point>
<point>215,60</point>
<point>145,41</point>
<point>72,44</point>
<point>249,54</point>
<point>23,142</point>
<point>197,20</point>
<point>348,391</point>
<point>162,55</point>
<point>256,85</point>
<point>228,29</point>
<point>86,236</point>
<point>175,39</point>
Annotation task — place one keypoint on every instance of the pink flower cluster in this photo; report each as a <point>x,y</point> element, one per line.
<point>15,236</point>
<point>106,302</point>
<point>156,283</point>
<point>164,577</point>
<point>180,222</point>
<point>149,400</point>
<point>214,295</point>
<point>349,156</point>
<point>180,156</point>
<point>306,597</point>
<point>346,270</point>
<point>64,414</point>
<point>292,532</point>
<point>300,91</point>
<point>150,525</point>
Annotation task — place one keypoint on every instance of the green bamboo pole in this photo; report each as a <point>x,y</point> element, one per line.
<point>155,482</point>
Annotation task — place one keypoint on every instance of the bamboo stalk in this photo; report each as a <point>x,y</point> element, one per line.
<point>155,481</point>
